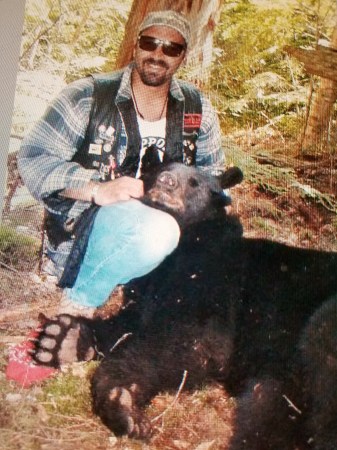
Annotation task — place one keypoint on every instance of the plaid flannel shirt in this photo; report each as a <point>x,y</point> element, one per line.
<point>44,159</point>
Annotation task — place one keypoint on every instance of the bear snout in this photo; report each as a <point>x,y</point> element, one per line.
<point>168,180</point>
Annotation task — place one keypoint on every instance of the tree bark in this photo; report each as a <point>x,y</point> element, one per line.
<point>321,62</point>
<point>315,141</point>
<point>203,16</point>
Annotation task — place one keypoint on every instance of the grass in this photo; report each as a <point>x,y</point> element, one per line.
<point>18,250</point>
<point>67,395</point>
<point>57,415</point>
<point>267,229</point>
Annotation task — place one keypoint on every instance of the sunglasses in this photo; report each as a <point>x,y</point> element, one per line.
<point>150,44</point>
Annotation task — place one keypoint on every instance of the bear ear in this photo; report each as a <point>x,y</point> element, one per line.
<point>230,177</point>
<point>226,179</point>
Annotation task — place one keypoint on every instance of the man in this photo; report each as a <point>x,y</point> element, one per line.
<point>88,148</point>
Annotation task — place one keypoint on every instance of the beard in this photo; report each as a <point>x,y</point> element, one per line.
<point>153,76</point>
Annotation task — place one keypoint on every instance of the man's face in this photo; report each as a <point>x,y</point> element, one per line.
<point>155,68</point>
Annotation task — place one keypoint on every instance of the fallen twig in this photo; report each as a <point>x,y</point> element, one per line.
<point>119,341</point>
<point>6,266</point>
<point>291,404</point>
<point>181,386</point>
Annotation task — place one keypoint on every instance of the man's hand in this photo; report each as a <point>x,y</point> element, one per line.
<point>118,190</point>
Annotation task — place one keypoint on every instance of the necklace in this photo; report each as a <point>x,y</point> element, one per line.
<point>137,109</point>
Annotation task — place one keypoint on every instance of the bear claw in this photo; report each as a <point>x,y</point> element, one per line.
<point>124,417</point>
<point>58,341</point>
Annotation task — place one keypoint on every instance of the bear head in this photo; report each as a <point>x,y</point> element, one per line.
<point>188,193</point>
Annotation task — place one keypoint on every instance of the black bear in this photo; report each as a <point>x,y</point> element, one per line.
<point>256,315</point>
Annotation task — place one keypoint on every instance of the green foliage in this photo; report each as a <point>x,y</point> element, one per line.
<point>289,125</point>
<point>249,39</point>
<point>67,395</point>
<point>17,249</point>
<point>249,42</point>
<point>69,36</point>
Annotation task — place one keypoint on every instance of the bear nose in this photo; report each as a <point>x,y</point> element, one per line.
<point>168,179</point>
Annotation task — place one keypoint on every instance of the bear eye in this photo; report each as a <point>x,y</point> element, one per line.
<point>193,182</point>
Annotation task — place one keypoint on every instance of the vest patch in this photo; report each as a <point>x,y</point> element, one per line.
<point>192,120</point>
<point>113,132</point>
<point>95,149</point>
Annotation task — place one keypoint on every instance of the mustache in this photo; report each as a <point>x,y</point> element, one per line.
<point>159,62</point>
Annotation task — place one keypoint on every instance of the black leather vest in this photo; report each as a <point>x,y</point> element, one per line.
<point>103,137</point>
<point>103,141</point>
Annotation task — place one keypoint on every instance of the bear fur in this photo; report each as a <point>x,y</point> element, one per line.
<point>258,316</point>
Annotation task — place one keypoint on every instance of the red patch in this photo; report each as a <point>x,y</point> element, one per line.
<point>192,120</point>
<point>21,367</point>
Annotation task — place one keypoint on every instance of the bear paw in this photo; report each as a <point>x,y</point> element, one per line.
<point>122,416</point>
<point>63,340</point>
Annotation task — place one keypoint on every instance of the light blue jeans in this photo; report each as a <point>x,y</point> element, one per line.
<point>128,240</point>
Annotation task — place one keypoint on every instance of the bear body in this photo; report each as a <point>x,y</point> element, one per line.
<point>259,317</point>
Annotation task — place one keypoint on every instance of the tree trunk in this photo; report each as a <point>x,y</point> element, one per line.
<point>203,15</point>
<point>315,140</point>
